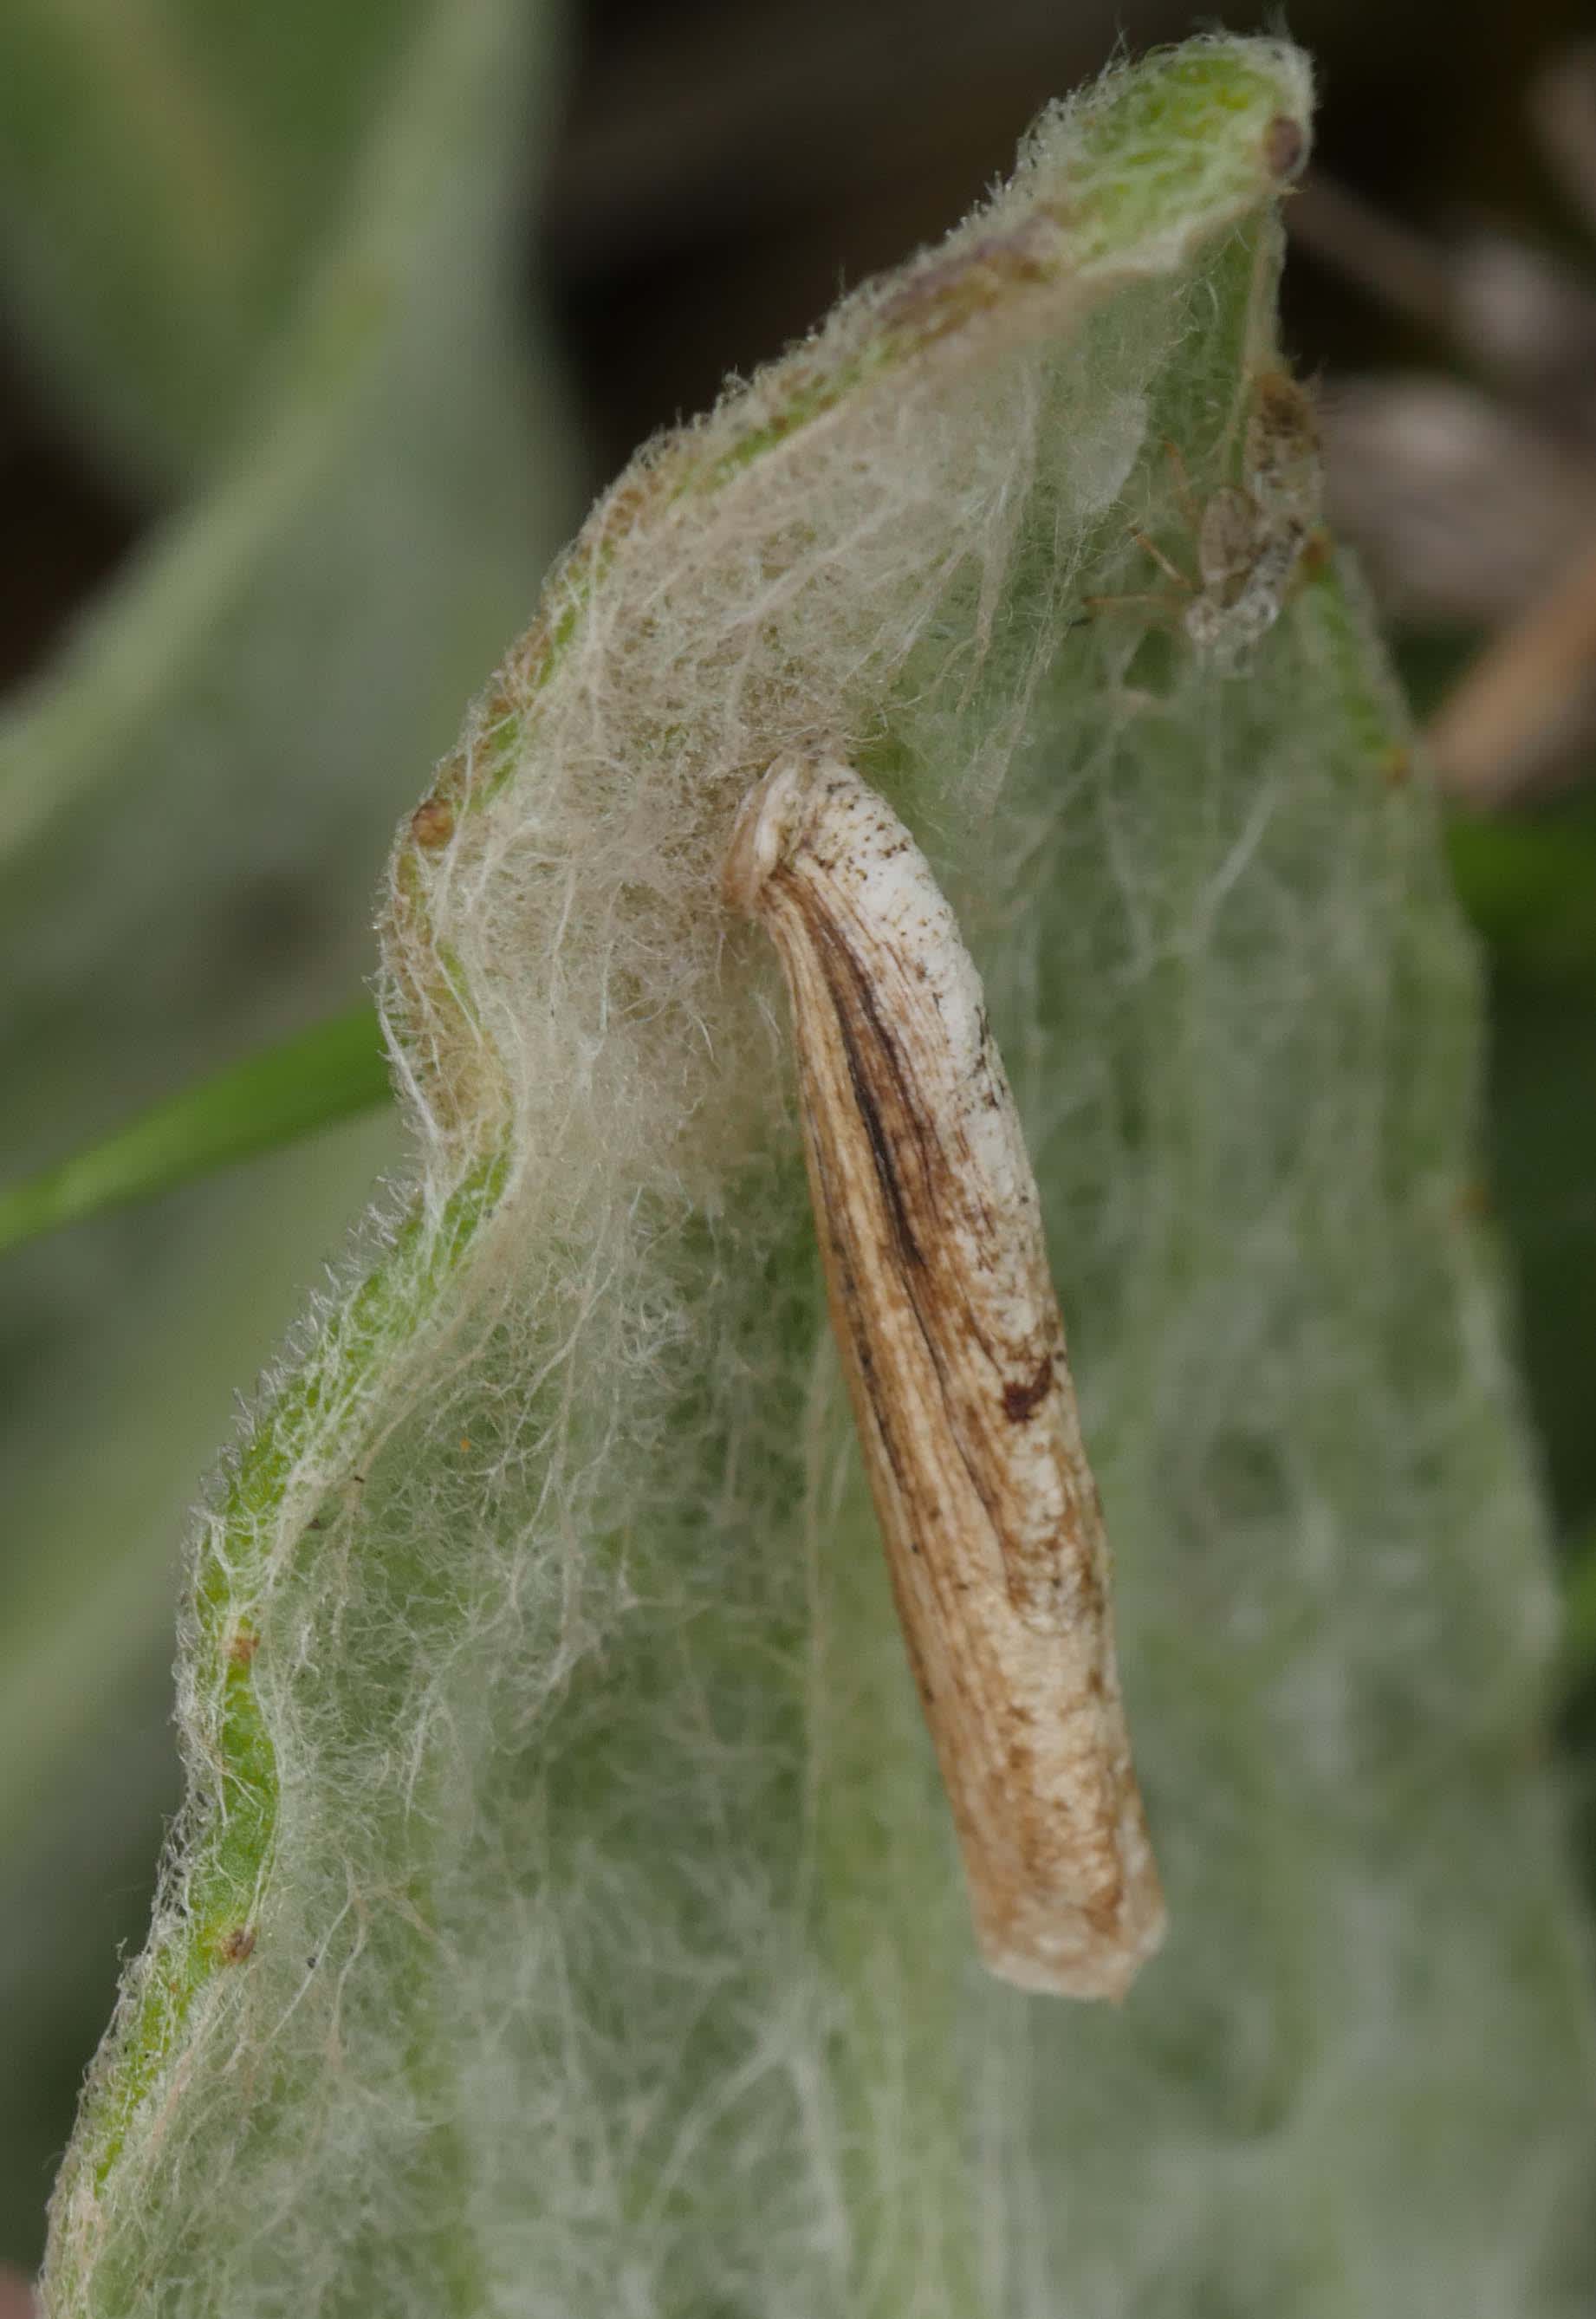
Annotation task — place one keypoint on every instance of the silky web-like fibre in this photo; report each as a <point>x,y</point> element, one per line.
<point>565,1920</point>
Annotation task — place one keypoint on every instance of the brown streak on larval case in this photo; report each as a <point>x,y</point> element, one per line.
<point>954,1356</point>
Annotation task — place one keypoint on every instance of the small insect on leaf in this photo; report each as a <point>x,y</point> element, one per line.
<point>951,1339</point>
<point>1251,541</point>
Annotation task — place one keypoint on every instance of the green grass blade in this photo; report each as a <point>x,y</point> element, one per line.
<point>306,1082</point>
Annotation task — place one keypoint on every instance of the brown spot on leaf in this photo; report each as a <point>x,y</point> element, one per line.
<point>1316,555</point>
<point>432,824</point>
<point>241,1646</point>
<point>234,1946</point>
<point>1286,147</point>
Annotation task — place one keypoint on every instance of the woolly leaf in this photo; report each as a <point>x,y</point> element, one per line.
<point>564,1918</point>
<point>194,803</point>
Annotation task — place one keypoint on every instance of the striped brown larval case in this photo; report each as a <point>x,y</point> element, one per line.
<point>951,1336</point>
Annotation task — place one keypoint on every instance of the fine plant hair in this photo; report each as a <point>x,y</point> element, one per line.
<point>564,1917</point>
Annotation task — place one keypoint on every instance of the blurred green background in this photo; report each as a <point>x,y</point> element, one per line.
<point>319,327</point>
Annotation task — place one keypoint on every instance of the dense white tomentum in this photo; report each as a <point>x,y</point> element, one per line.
<point>566,1920</point>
